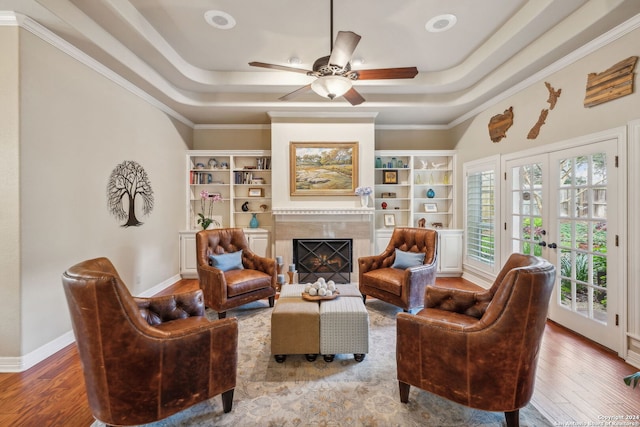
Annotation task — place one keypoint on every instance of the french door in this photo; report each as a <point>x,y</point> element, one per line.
<point>561,206</point>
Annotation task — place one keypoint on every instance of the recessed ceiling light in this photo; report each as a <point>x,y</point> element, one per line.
<point>294,60</point>
<point>440,23</point>
<point>357,61</point>
<point>219,19</point>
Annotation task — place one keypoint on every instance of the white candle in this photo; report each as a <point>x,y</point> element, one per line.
<point>279,260</point>
<point>292,267</point>
<point>281,279</point>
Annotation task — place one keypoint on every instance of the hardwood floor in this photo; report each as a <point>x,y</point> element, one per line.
<point>577,381</point>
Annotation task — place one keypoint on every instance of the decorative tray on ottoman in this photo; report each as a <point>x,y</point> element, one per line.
<point>308,297</point>
<point>313,291</point>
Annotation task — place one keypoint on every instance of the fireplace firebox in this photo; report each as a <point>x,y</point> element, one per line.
<point>330,259</point>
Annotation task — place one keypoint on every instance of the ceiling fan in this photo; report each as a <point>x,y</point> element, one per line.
<point>334,76</point>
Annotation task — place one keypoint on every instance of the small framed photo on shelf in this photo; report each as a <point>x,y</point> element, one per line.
<point>389,220</point>
<point>255,192</point>
<point>430,207</point>
<point>389,176</point>
<point>388,195</point>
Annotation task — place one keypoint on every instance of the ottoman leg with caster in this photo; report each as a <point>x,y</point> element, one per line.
<point>344,328</point>
<point>295,329</point>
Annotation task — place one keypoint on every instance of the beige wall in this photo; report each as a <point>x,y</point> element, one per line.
<point>258,138</point>
<point>75,127</point>
<point>569,119</point>
<point>10,191</point>
<point>414,139</point>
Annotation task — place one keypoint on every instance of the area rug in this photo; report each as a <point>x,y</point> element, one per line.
<point>341,393</point>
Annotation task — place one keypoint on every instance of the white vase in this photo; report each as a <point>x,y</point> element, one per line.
<point>364,201</point>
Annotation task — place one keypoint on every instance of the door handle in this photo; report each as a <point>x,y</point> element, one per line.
<point>552,245</point>
<point>542,243</point>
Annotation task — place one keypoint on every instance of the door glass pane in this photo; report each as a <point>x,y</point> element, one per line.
<point>600,305</point>
<point>599,198</point>
<point>599,169</point>
<point>566,234</point>
<point>536,175</point>
<point>599,233</point>
<point>566,203</point>
<point>565,173</point>
<point>581,171</point>
<point>582,299</point>
<point>582,235</point>
<point>582,203</point>
<point>536,203</point>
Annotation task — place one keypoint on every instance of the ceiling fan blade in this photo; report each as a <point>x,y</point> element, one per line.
<point>278,67</point>
<point>295,93</point>
<point>387,73</point>
<point>346,42</point>
<point>354,97</point>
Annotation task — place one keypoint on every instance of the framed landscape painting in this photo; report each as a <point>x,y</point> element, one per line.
<point>323,168</point>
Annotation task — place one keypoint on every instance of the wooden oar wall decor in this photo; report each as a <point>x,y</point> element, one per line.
<point>610,84</point>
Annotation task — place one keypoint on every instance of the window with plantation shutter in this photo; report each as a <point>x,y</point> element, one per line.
<point>481,202</point>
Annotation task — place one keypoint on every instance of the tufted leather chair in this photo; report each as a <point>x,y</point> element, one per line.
<point>228,289</point>
<point>145,359</point>
<point>402,288</point>
<point>479,349</point>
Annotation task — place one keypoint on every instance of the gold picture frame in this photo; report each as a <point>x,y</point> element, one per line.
<point>389,176</point>
<point>323,168</point>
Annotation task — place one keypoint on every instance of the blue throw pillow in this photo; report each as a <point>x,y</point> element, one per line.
<point>408,259</point>
<point>226,262</point>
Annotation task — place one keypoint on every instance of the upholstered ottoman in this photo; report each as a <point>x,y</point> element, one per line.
<point>295,328</point>
<point>291,291</point>
<point>344,328</point>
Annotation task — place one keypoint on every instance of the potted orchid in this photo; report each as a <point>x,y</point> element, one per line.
<point>364,193</point>
<point>206,221</point>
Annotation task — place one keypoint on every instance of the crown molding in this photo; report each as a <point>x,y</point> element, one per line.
<point>597,43</point>
<point>412,127</point>
<point>12,18</point>
<point>233,127</point>
<point>8,19</point>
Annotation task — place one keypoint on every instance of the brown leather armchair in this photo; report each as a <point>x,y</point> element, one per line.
<point>479,349</point>
<point>402,287</point>
<point>232,288</point>
<point>145,359</point>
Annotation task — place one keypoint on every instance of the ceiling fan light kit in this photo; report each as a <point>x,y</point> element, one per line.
<point>331,86</point>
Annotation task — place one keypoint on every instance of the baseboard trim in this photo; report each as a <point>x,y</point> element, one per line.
<point>160,287</point>
<point>633,359</point>
<point>478,280</point>
<point>22,363</point>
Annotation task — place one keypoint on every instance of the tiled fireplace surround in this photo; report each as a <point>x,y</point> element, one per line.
<point>356,224</point>
<point>321,216</point>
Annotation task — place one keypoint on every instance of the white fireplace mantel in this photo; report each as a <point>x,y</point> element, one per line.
<point>322,211</point>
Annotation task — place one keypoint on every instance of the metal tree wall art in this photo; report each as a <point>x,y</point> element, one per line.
<point>129,182</point>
